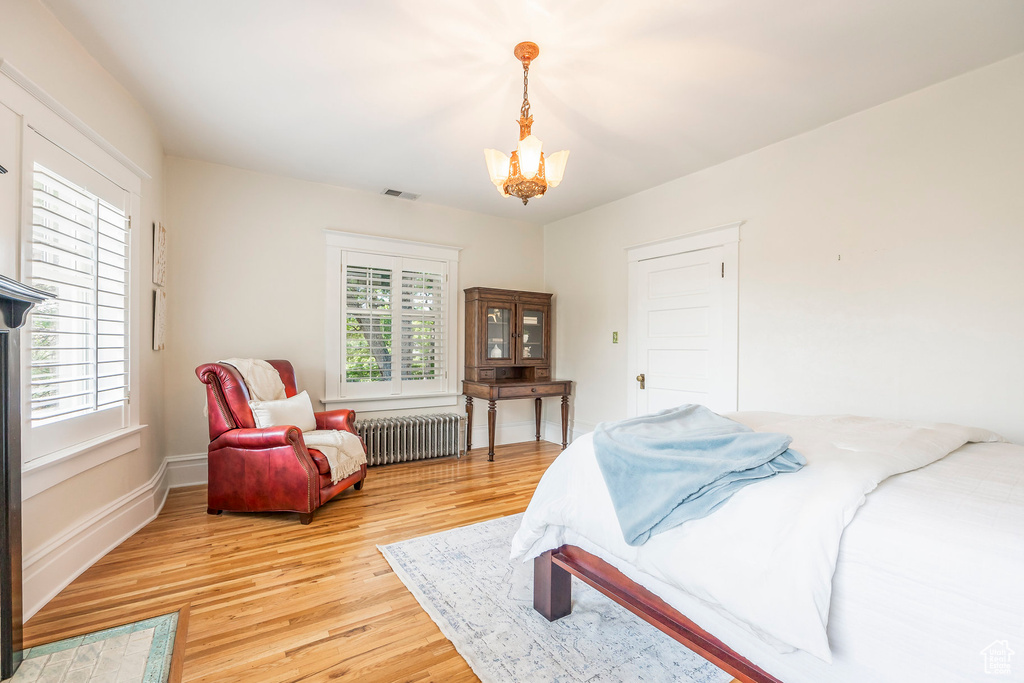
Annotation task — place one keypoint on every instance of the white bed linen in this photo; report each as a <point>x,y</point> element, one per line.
<point>782,535</point>
<point>928,574</point>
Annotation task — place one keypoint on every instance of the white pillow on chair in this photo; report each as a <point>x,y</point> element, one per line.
<point>297,410</point>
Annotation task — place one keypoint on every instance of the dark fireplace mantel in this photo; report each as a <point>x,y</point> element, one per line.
<point>16,300</point>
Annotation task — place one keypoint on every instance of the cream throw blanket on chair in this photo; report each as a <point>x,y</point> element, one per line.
<point>343,450</point>
<point>260,377</point>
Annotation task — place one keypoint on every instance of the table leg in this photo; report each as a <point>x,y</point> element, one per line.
<point>565,422</point>
<point>469,423</point>
<point>492,417</point>
<point>537,410</point>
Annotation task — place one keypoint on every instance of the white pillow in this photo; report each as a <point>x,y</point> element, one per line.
<point>297,410</point>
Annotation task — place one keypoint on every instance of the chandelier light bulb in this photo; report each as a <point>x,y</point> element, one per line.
<point>529,156</point>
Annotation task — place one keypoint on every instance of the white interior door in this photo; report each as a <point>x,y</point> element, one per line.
<point>683,331</point>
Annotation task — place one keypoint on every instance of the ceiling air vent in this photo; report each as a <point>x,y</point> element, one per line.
<point>398,193</point>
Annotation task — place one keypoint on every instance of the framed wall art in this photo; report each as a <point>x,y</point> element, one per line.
<point>159,319</point>
<point>159,254</point>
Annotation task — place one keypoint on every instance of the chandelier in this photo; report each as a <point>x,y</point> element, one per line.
<point>527,173</point>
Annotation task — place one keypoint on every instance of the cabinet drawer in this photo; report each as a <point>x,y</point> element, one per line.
<point>485,373</point>
<point>528,390</point>
<point>542,373</point>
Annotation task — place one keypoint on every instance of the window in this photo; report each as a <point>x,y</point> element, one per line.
<point>394,315</point>
<point>80,350</point>
<point>390,321</point>
<point>78,250</point>
<point>79,341</point>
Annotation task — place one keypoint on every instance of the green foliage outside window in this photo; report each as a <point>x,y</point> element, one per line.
<point>370,320</point>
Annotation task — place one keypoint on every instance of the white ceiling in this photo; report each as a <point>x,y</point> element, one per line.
<point>407,94</point>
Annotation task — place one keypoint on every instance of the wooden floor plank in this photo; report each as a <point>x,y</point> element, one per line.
<point>275,601</point>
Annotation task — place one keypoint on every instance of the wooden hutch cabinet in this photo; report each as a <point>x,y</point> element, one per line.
<point>508,353</point>
<point>508,334</point>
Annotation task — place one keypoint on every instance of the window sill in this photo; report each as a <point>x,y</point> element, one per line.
<point>369,405</point>
<point>48,471</point>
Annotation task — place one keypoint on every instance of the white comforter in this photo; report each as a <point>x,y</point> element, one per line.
<point>766,558</point>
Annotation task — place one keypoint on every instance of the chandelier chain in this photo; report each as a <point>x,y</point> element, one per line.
<point>525,110</point>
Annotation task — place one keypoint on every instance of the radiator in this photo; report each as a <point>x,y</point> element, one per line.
<point>411,437</point>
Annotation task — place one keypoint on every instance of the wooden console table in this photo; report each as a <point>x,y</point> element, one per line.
<point>503,390</point>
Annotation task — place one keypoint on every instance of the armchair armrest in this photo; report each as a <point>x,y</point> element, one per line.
<point>262,469</point>
<point>342,420</point>
<point>270,437</point>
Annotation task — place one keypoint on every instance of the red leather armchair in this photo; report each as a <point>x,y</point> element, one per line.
<point>268,469</point>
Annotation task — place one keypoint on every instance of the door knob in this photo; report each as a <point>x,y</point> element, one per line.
<point>642,378</point>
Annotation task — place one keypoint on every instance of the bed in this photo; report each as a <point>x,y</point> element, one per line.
<point>922,584</point>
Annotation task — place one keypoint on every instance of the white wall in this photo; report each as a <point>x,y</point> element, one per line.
<point>10,190</point>
<point>881,263</point>
<point>36,44</point>
<point>247,276</point>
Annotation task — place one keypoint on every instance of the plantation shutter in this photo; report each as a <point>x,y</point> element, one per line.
<point>79,338</point>
<point>423,319</point>
<point>394,324</point>
<point>368,318</point>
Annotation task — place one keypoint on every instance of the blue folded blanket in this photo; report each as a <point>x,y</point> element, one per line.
<point>681,464</point>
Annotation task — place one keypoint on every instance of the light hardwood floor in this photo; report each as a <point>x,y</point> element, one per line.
<point>274,601</point>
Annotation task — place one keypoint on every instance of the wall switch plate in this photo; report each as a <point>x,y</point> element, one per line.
<point>615,337</point>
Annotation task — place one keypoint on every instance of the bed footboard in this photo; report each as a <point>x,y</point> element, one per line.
<point>552,597</point>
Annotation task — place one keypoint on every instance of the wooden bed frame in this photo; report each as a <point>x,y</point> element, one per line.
<point>552,597</point>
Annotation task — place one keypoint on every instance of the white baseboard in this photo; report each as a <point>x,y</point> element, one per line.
<point>552,431</point>
<point>49,569</point>
<point>580,427</point>
<point>517,432</point>
<point>186,470</point>
<point>508,432</point>
<point>190,469</point>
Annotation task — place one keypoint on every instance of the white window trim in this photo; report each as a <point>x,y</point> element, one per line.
<point>50,470</point>
<point>44,115</point>
<point>403,402</point>
<point>339,242</point>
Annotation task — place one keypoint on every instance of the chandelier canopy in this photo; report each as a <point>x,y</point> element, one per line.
<point>526,174</point>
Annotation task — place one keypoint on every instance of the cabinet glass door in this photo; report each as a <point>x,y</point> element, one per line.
<point>499,333</point>
<point>532,326</point>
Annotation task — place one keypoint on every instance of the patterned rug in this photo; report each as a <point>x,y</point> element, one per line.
<point>139,652</point>
<point>484,605</point>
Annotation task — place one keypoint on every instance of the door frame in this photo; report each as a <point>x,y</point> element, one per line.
<point>725,236</point>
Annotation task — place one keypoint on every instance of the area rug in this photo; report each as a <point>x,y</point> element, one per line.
<point>483,603</point>
<point>138,652</point>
